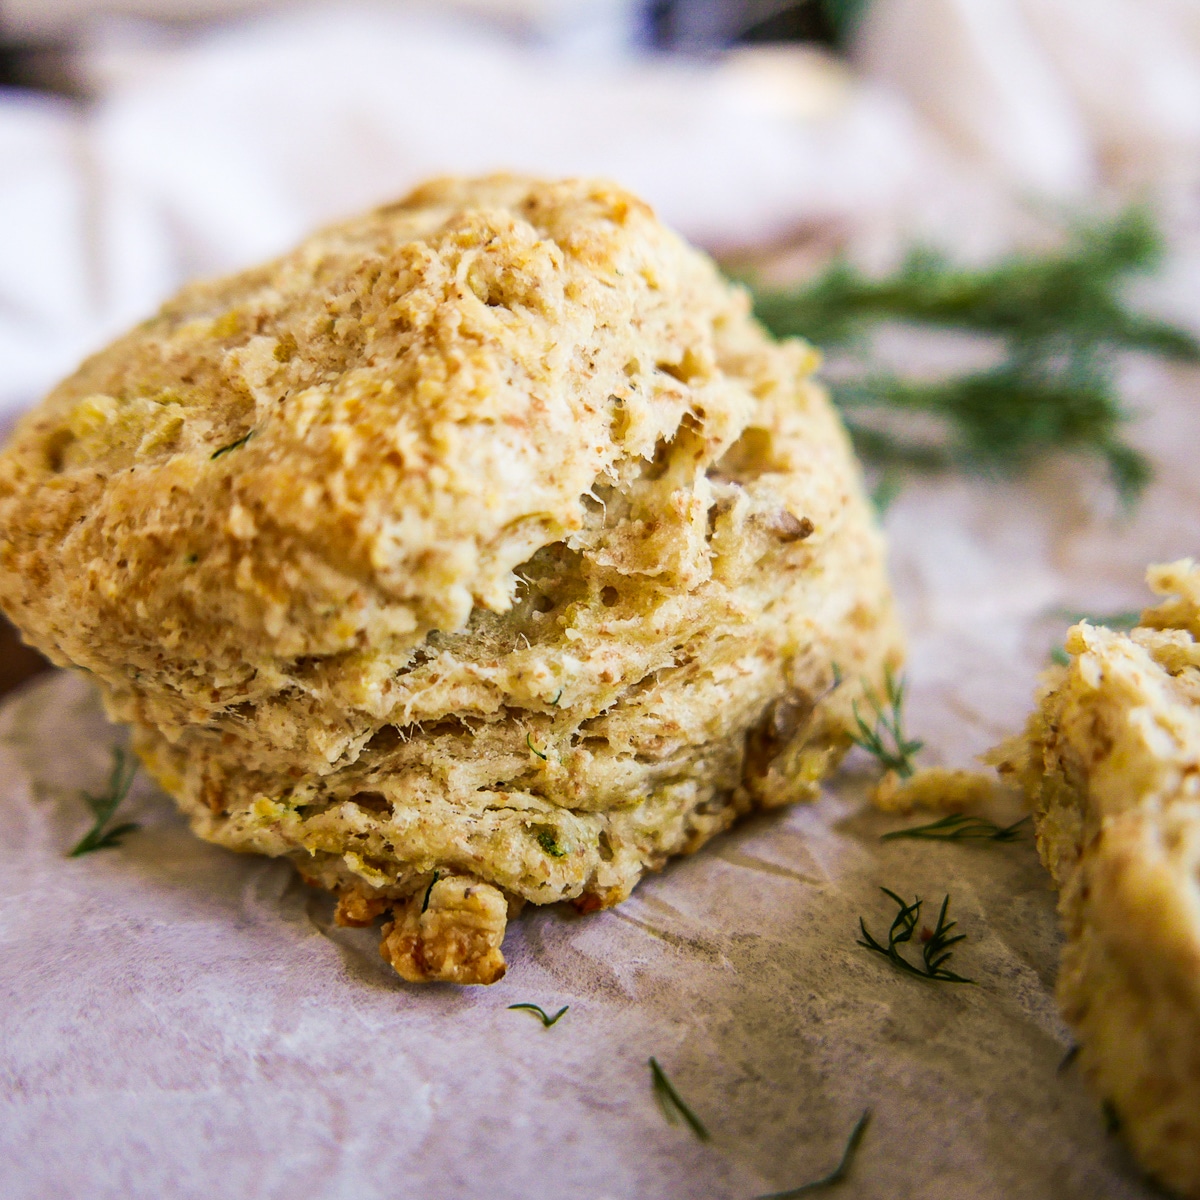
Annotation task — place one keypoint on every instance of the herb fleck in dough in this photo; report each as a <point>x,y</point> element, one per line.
<point>481,550</point>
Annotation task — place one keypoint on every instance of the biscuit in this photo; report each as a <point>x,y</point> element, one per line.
<point>1111,763</point>
<point>481,550</point>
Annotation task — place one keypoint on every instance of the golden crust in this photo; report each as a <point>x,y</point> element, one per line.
<point>485,534</point>
<point>1112,766</point>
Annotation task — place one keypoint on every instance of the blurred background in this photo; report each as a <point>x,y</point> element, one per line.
<point>144,142</point>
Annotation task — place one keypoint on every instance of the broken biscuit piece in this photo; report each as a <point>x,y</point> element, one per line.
<point>452,934</point>
<point>1111,764</point>
<point>485,534</point>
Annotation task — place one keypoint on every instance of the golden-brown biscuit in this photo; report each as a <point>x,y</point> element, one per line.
<point>483,539</point>
<point>1111,762</point>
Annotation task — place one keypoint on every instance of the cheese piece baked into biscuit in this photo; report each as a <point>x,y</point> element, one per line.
<point>1113,770</point>
<point>481,550</point>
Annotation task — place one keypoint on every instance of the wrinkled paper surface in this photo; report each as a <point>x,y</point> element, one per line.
<point>182,1021</point>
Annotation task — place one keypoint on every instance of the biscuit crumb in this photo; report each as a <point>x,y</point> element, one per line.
<point>938,788</point>
<point>450,933</point>
<point>356,910</point>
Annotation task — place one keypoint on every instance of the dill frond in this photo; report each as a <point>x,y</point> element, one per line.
<point>105,805</point>
<point>1061,318</point>
<point>935,951</point>
<point>887,741</point>
<point>537,1010</point>
<point>838,1173</point>
<point>533,748</point>
<point>232,446</point>
<point>959,827</point>
<point>672,1103</point>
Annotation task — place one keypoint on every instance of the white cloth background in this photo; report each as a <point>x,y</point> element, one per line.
<point>180,1022</point>
<point>204,155</point>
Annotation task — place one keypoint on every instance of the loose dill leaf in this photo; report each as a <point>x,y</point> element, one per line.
<point>1068,1058</point>
<point>884,493</point>
<point>843,17</point>
<point>537,1009</point>
<point>672,1103</point>
<point>1119,622</point>
<point>887,741</point>
<point>429,890</point>
<point>959,827</point>
<point>1061,319</point>
<point>838,1173</point>
<point>935,951</point>
<point>549,843</point>
<point>554,702</point>
<point>529,743</point>
<point>105,805</point>
<point>232,445</point>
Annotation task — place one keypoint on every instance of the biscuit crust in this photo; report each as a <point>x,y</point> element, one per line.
<point>1111,762</point>
<point>485,535</point>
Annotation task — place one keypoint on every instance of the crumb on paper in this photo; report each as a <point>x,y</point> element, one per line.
<point>940,789</point>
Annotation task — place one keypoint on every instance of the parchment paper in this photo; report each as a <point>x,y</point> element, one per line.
<point>179,1021</point>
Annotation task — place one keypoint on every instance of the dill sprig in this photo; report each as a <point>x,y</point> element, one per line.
<point>1061,318</point>
<point>105,805</point>
<point>887,741</point>
<point>537,1009</point>
<point>935,951</point>
<point>959,827</point>
<point>838,1173</point>
<point>672,1103</point>
<point>232,445</point>
<point>533,748</point>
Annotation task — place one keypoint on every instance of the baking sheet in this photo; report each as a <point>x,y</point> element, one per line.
<point>181,1021</point>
